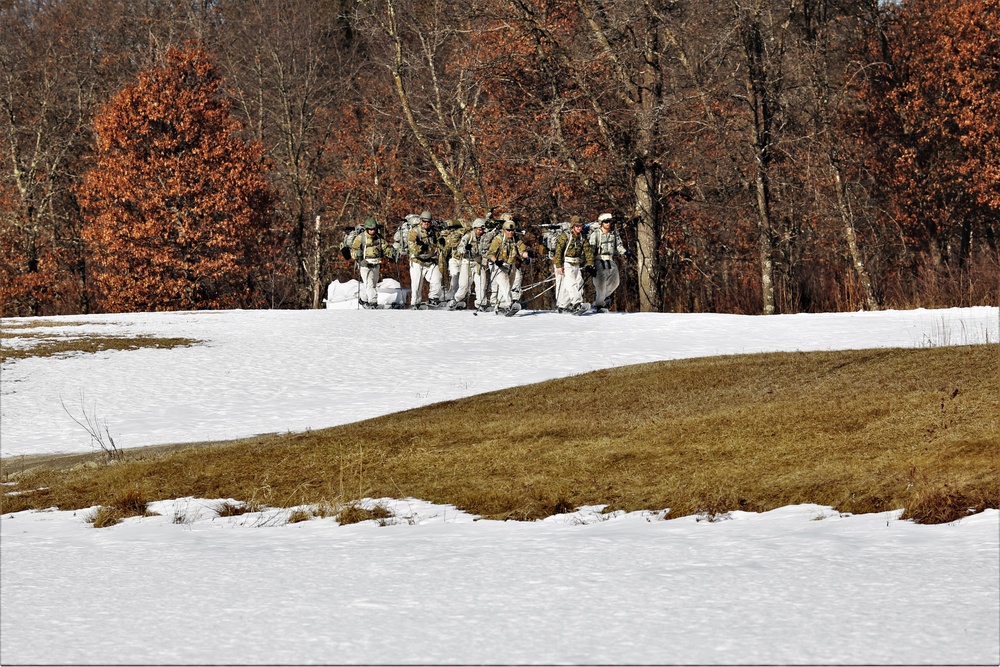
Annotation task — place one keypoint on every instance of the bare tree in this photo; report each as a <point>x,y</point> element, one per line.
<point>817,21</point>
<point>290,66</point>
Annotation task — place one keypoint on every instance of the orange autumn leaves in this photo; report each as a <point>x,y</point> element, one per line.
<point>177,206</point>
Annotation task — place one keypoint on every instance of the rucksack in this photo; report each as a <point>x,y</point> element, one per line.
<point>401,239</point>
<point>348,243</point>
<point>552,234</point>
<point>486,239</point>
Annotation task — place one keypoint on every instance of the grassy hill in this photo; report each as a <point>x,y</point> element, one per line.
<point>861,431</point>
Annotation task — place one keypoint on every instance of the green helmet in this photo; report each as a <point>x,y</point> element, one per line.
<point>509,226</point>
<point>426,216</point>
<point>371,224</point>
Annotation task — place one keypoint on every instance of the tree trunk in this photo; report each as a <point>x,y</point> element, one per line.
<point>314,278</point>
<point>647,237</point>
<point>760,100</point>
<point>871,303</point>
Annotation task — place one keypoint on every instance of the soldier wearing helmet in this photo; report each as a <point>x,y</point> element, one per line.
<point>368,250</point>
<point>607,245</point>
<point>426,256</point>
<point>466,257</point>
<point>459,273</point>
<point>572,256</point>
<point>505,256</point>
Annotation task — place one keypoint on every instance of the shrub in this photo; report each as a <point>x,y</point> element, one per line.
<point>355,513</point>
<point>127,502</point>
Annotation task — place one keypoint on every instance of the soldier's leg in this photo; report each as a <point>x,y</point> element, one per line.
<point>601,290</point>
<point>613,280</point>
<point>599,284</point>
<point>479,281</point>
<point>503,284</point>
<point>454,277</point>
<point>515,285</point>
<point>464,278</point>
<point>573,282</point>
<point>369,280</point>
<point>416,282</point>
<point>435,290</point>
<point>563,297</point>
<point>557,290</point>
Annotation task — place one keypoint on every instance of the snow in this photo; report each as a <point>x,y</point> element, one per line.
<point>800,584</point>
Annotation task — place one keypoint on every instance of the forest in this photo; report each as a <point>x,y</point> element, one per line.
<point>762,156</point>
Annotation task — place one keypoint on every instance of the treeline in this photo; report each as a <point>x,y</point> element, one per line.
<point>766,155</point>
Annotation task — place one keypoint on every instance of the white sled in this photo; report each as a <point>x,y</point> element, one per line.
<point>344,296</point>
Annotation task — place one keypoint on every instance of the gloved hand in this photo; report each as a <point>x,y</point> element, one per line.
<point>590,271</point>
<point>500,264</point>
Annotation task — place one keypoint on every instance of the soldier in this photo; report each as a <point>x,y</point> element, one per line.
<point>470,270</point>
<point>573,255</point>
<point>457,267</point>
<point>426,257</point>
<point>505,256</point>
<point>486,292</point>
<point>368,250</point>
<point>607,245</point>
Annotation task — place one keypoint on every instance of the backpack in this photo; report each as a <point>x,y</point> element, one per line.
<point>464,249</point>
<point>486,239</point>
<point>401,239</point>
<point>552,234</point>
<point>348,243</point>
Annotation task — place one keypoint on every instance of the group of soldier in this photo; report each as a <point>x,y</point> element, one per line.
<point>487,264</point>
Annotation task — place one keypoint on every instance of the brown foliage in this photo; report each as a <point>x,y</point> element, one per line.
<point>935,118</point>
<point>177,206</point>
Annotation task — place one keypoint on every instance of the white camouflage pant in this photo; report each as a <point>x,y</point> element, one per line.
<point>419,274</point>
<point>606,280</point>
<point>368,289</point>
<point>507,286</point>
<point>460,272</point>
<point>480,278</point>
<point>570,288</point>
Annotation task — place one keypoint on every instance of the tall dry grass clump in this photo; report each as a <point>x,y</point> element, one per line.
<point>860,431</point>
<point>125,502</point>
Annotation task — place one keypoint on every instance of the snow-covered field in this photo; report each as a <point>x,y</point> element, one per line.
<point>799,585</point>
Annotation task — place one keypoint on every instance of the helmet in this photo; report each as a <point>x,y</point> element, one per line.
<point>479,223</point>
<point>605,217</point>
<point>575,220</point>
<point>426,216</point>
<point>452,224</point>
<point>370,223</point>
<point>509,226</point>
<point>507,216</point>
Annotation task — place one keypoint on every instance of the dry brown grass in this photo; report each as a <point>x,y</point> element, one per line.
<point>860,431</point>
<point>355,513</point>
<point>227,508</point>
<point>47,345</point>
<point>127,501</point>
